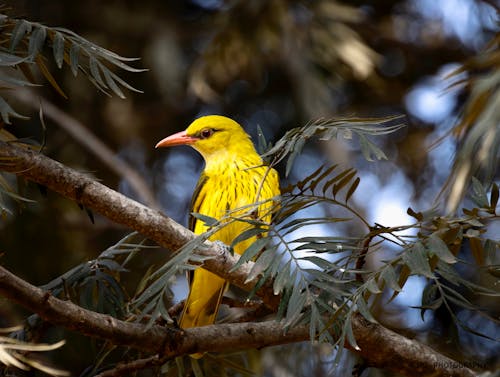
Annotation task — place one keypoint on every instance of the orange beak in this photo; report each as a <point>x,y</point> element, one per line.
<point>180,138</point>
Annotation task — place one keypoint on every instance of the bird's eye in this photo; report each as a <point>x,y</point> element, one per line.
<point>206,133</point>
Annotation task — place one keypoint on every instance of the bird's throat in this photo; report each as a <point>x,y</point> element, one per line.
<point>221,161</point>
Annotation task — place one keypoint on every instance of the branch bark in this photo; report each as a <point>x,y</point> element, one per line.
<point>379,346</point>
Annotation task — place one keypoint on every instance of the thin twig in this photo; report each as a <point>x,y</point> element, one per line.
<point>128,368</point>
<point>88,140</point>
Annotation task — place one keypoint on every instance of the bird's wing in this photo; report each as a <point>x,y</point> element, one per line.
<point>196,200</point>
<point>195,207</point>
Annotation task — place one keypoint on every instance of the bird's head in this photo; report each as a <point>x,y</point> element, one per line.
<point>211,135</point>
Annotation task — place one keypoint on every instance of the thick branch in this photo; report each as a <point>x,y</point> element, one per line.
<point>379,346</point>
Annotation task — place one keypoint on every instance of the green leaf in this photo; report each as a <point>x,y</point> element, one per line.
<point>349,333</point>
<point>111,265</point>
<point>315,319</point>
<point>331,288</point>
<point>21,28</point>
<point>448,273</point>
<point>58,49</point>
<point>10,60</point>
<point>247,234</point>
<point>110,78</point>
<point>369,149</point>
<point>289,163</point>
<point>251,251</point>
<point>74,56</point>
<point>207,220</point>
<point>262,144</point>
<point>338,177</point>
<point>479,195</point>
<point>295,305</point>
<point>283,278</point>
<point>324,277</point>
<point>322,263</point>
<point>94,71</point>
<point>430,299</point>
<point>262,263</point>
<point>472,331</point>
<point>373,287</point>
<point>275,265</point>
<point>8,79</point>
<point>364,310</point>
<point>390,278</point>
<point>37,40</point>
<point>438,247</point>
<point>457,298</point>
<point>353,188</point>
<point>6,112</point>
<point>322,247</point>
<point>343,182</point>
<point>321,177</point>
<point>197,370</point>
<point>285,297</point>
<point>417,260</point>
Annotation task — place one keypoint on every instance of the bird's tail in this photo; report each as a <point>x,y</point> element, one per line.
<point>202,304</point>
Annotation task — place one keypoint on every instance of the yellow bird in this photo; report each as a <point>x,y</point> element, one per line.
<point>234,178</point>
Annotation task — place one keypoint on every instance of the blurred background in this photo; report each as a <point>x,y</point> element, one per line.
<point>275,64</point>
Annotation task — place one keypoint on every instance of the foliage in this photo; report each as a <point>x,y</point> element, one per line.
<point>293,141</point>
<point>23,46</point>
<point>26,46</point>
<point>96,284</point>
<point>13,354</point>
<point>479,127</point>
<point>326,39</point>
<point>150,301</point>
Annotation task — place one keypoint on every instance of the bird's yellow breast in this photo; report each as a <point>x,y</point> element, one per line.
<point>236,187</point>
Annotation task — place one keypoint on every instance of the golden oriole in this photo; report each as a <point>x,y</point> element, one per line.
<point>234,178</point>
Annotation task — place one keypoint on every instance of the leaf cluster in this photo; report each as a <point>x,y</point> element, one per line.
<point>292,143</point>
<point>278,36</point>
<point>478,131</point>
<point>96,284</point>
<point>13,354</point>
<point>28,46</point>
<point>25,45</point>
<point>154,293</point>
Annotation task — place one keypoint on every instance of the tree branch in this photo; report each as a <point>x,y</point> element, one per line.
<point>379,346</point>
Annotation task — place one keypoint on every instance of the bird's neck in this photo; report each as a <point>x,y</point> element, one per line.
<point>222,161</point>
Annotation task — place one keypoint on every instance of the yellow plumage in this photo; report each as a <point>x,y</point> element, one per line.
<point>234,178</point>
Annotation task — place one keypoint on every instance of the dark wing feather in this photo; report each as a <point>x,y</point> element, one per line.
<point>194,207</point>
